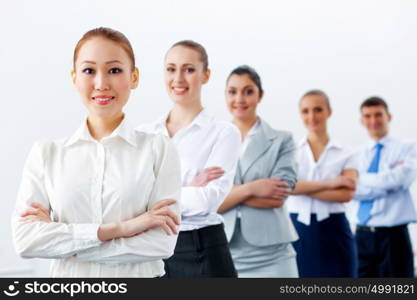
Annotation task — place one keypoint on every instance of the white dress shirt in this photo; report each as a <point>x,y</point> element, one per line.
<point>249,136</point>
<point>332,162</point>
<point>202,144</point>
<point>86,183</point>
<point>390,187</point>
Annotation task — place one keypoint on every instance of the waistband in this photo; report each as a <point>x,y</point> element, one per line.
<point>375,229</point>
<point>199,239</point>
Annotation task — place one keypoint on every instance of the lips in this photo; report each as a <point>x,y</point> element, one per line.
<point>179,90</point>
<point>240,108</point>
<point>103,99</point>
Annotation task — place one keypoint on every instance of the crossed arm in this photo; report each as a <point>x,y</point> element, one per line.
<point>146,237</point>
<point>340,189</point>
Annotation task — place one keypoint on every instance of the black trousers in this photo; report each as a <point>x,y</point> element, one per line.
<point>201,253</point>
<point>384,251</point>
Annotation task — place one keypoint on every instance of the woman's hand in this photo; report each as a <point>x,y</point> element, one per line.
<point>38,214</point>
<point>159,216</point>
<point>343,182</point>
<point>209,174</point>
<point>266,203</point>
<point>269,188</point>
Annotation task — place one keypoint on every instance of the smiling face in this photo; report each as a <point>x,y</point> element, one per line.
<point>104,76</point>
<point>376,120</point>
<point>314,113</point>
<point>242,97</point>
<point>184,75</point>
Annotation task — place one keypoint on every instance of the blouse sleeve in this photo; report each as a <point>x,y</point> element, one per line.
<point>153,244</point>
<point>41,239</point>
<point>207,199</point>
<point>286,166</point>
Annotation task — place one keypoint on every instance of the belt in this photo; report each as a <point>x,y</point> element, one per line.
<point>375,229</point>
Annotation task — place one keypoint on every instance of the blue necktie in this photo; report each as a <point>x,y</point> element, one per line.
<point>366,205</point>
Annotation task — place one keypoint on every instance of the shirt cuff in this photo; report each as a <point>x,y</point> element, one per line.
<point>192,201</point>
<point>86,232</point>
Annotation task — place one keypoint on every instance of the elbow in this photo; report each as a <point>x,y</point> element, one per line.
<point>23,250</point>
<point>168,251</point>
<point>347,196</point>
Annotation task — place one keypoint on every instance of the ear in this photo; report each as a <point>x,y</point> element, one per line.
<point>389,117</point>
<point>73,77</point>
<point>135,78</point>
<point>261,97</point>
<point>206,76</point>
<point>330,112</point>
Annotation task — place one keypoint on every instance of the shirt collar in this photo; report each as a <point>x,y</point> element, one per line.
<point>124,131</point>
<point>331,144</point>
<point>254,128</point>
<point>384,141</point>
<point>200,120</point>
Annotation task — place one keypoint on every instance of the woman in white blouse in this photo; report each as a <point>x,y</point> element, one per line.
<point>209,151</point>
<point>103,202</point>
<point>327,180</point>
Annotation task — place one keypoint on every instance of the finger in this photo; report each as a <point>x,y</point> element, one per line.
<point>214,176</point>
<point>164,203</point>
<point>166,228</point>
<point>282,189</point>
<point>280,196</point>
<point>30,219</point>
<point>30,212</point>
<point>171,225</point>
<point>169,213</point>
<point>212,169</point>
<point>216,172</point>
<point>40,206</point>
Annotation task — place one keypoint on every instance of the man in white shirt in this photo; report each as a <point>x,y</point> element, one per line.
<point>387,168</point>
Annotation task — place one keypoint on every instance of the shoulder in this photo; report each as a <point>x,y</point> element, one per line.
<point>225,129</point>
<point>406,143</point>
<point>284,135</point>
<point>147,139</point>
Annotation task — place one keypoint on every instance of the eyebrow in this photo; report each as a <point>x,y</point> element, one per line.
<point>186,64</point>
<point>107,62</point>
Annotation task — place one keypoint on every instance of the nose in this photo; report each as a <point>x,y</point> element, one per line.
<point>101,82</point>
<point>240,98</point>
<point>178,76</point>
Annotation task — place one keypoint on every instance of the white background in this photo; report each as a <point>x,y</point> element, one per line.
<point>350,49</point>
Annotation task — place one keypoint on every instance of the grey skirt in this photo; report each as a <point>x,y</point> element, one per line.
<point>267,261</point>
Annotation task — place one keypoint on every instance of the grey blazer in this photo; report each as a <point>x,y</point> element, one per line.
<point>271,154</point>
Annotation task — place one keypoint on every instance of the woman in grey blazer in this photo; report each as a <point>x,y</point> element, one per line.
<point>257,224</point>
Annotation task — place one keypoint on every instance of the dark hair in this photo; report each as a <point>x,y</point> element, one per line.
<point>320,93</point>
<point>197,47</point>
<point>374,101</point>
<point>110,34</point>
<point>251,72</point>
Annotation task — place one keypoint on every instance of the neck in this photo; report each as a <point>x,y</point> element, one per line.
<point>377,138</point>
<point>245,125</point>
<point>101,127</point>
<point>180,116</point>
<point>318,137</point>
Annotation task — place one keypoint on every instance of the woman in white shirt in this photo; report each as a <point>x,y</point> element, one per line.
<point>209,150</point>
<point>103,202</point>
<point>257,223</point>
<point>327,179</point>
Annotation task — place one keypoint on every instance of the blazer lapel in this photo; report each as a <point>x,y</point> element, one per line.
<point>261,142</point>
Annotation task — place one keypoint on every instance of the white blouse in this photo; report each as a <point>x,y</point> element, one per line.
<point>202,144</point>
<point>331,164</point>
<point>86,183</point>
